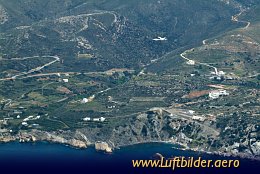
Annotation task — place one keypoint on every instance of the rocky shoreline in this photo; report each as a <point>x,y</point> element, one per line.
<point>104,146</point>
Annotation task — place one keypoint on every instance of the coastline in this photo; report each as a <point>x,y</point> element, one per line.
<point>56,158</point>
<point>174,144</point>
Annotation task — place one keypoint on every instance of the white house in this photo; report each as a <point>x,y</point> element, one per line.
<point>65,80</point>
<point>87,119</point>
<point>24,123</point>
<point>198,118</point>
<point>102,119</point>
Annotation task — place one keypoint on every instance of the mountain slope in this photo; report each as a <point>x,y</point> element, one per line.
<point>117,33</point>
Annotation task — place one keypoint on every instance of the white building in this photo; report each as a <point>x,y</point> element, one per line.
<point>87,119</point>
<point>28,118</point>
<point>221,73</point>
<point>101,119</point>
<point>96,119</point>
<point>191,112</point>
<point>24,123</point>
<point>65,80</point>
<point>85,100</point>
<point>198,118</point>
<point>216,94</point>
<point>191,62</point>
<point>111,107</point>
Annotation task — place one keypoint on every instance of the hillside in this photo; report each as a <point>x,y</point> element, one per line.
<point>115,33</point>
<point>127,72</point>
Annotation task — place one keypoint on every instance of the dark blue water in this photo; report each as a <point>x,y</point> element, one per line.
<point>54,158</point>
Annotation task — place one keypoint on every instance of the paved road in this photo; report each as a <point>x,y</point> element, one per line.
<point>56,59</point>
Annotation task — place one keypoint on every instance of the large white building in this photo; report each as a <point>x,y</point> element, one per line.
<point>65,80</point>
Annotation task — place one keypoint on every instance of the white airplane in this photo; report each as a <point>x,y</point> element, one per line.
<point>160,39</point>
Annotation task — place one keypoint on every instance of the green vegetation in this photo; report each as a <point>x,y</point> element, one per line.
<point>99,73</point>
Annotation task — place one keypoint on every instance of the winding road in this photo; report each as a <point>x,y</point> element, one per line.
<point>183,55</point>
<point>235,19</point>
<point>204,42</point>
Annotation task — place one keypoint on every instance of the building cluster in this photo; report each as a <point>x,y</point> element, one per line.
<point>101,119</point>
<point>30,118</point>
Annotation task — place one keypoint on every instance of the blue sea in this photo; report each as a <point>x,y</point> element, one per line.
<point>56,158</point>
